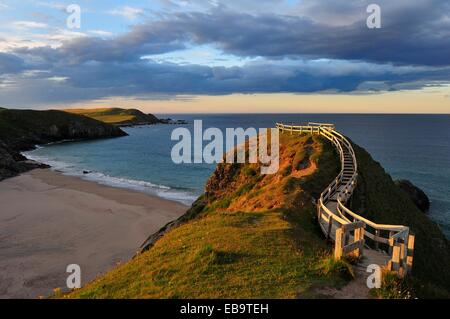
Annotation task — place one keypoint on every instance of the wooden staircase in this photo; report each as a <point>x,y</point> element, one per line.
<point>388,246</point>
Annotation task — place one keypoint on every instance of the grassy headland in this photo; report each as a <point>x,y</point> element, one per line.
<point>117,116</point>
<point>21,130</point>
<point>250,235</point>
<point>256,236</point>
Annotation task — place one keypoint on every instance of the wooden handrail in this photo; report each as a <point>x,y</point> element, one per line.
<point>398,234</point>
<point>398,228</point>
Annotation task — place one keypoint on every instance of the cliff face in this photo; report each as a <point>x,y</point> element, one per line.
<point>21,130</point>
<point>417,195</point>
<point>378,198</point>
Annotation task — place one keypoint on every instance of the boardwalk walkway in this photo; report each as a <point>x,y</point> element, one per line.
<point>388,246</point>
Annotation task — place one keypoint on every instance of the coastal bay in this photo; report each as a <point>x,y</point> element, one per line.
<point>49,220</point>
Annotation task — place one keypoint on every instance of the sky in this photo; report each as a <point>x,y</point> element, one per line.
<point>182,56</point>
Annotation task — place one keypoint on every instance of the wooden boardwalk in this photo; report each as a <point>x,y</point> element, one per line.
<point>389,246</point>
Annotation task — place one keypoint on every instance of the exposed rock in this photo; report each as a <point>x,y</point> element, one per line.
<point>418,196</point>
<point>173,122</point>
<point>13,163</point>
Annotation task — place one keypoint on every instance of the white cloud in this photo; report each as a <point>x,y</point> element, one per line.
<point>101,33</point>
<point>30,25</point>
<point>30,40</point>
<point>56,38</point>
<point>58,78</point>
<point>52,5</point>
<point>127,12</point>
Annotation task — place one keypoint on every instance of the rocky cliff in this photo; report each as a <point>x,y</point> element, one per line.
<point>417,195</point>
<point>21,130</point>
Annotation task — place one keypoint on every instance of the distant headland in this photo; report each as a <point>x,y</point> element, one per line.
<point>22,130</point>
<point>123,117</point>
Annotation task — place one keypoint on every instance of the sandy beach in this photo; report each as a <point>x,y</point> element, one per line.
<point>49,220</point>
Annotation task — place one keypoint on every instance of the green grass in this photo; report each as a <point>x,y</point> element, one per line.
<point>116,115</point>
<point>393,287</point>
<point>254,236</point>
<point>222,255</point>
<point>224,252</point>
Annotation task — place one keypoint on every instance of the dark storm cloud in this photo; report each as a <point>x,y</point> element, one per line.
<point>413,32</point>
<point>69,83</point>
<point>410,51</point>
<point>10,63</point>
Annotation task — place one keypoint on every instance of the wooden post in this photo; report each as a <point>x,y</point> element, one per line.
<point>396,257</point>
<point>361,249</point>
<point>359,237</point>
<point>330,226</point>
<point>410,252</point>
<point>403,269</point>
<point>356,239</point>
<point>391,233</point>
<point>338,243</point>
<point>377,234</point>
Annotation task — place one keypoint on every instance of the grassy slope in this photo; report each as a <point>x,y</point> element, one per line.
<point>116,115</point>
<point>256,237</point>
<point>378,198</point>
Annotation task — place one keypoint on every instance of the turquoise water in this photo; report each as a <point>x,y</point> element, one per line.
<point>414,147</point>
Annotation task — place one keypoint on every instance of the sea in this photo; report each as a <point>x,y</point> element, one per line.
<point>413,147</point>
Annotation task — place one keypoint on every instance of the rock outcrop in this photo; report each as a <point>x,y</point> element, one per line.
<point>21,130</point>
<point>418,196</point>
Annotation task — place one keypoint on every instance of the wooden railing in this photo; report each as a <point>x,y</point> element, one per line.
<point>351,232</point>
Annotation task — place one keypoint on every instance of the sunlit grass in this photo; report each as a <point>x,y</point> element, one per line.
<point>112,115</point>
<point>229,249</point>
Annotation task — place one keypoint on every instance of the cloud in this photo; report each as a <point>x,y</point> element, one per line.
<point>101,33</point>
<point>320,47</point>
<point>127,12</point>
<point>30,25</point>
<point>52,5</point>
<point>411,34</point>
<point>10,63</point>
<point>71,82</point>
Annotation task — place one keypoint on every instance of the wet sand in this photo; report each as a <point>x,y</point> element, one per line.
<point>48,221</point>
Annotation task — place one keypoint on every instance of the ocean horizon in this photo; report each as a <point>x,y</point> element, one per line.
<point>409,146</point>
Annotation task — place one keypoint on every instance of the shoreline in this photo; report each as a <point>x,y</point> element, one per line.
<point>161,191</point>
<point>50,220</point>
